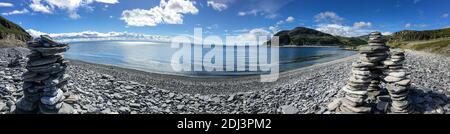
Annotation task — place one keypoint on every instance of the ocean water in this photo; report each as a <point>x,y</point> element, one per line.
<point>156,57</point>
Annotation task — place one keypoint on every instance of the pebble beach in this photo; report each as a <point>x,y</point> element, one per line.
<point>103,89</point>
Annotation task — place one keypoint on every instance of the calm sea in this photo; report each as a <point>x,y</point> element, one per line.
<point>156,57</point>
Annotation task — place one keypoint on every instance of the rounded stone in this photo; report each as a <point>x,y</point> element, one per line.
<point>26,105</point>
<point>377,44</point>
<point>361,64</point>
<point>398,74</point>
<point>363,81</point>
<point>404,82</point>
<point>393,79</point>
<point>357,92</point>
<point>358,72</point>
<point>372,49</point>
<point>52,100</point>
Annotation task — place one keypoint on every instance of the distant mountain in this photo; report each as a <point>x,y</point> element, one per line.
<point>302,36</point>
<point>411,35</point>
<point>352,41</point>
<point>12,34</point>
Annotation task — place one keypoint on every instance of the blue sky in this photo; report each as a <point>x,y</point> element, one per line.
<point>226,17</point>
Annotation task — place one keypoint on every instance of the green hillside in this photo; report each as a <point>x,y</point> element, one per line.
<point>411,35</point>
<point>433,41</point>
<point>12,34</point>
<point>302,36</point>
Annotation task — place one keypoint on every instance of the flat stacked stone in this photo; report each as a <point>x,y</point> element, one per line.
<point>376,64</point>
<point>398,81</point>
<point>356,90</point>
<point>378,54</point>
<point>363,85</point>
<point>45,81</point>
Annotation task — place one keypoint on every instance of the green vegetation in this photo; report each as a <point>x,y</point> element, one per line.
<point>352,41</point>
<point>12,34</point>
<point>434,41</point>
<point>410,35</point>
<point>441,46</point>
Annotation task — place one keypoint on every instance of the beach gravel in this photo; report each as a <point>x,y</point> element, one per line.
<point>101,89</point>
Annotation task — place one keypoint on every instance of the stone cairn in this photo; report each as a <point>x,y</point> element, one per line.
<point>398,81</point>
<point>45,81</point>
<point>368,72</point>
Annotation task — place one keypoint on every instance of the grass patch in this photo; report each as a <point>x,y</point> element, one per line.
<point>439,46</point>
<point>434,47</point>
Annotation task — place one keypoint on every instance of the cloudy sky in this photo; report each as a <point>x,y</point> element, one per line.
<point>243,18</point>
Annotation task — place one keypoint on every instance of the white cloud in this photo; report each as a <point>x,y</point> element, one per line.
<point>38,7</point>
<point>4,4</point>
<point>254,35</point>
<point>98,36</point>
<point>290,19</point>
<point>35,33</point>
<point>251,12</point>
<point>328,17</point>
<point>407,25</point>
<point>108,1</point>
<point>242,13</point>
<point>362,24</point>
<point>24,11</point>
<point>445,15</point>
<point>276,28</point>
<point>386,33</point>
<point>421,25</point>
<point>267,8</point>
<point>71,6</point>
<point>342,30</point>
<point>217,6</point>
<point>416,1</point>
<point>168,12</point>
<point>331,23</point>
<point>241,30</point>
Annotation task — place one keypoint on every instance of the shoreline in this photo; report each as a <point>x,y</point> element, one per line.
<point>201,84</point>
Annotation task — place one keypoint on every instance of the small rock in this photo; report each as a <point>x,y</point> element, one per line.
<point>216,99</point>
<point>179,107</point>
<point>287,109</point>
<point>71,99</point>
<point>171,95</point>
<point>2,106</point>
<point>128,87</point>
<point>135,105</point>
<point>231,97</point>
<point>382,106</point>
<point>124,109</point>
<point>106,111</point>
<point>333,105</point>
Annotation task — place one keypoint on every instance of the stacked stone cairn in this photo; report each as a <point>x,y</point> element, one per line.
<point>365,79</point>
<point>363,87</point>
<point>397,83</point>
<point>45,81</point>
